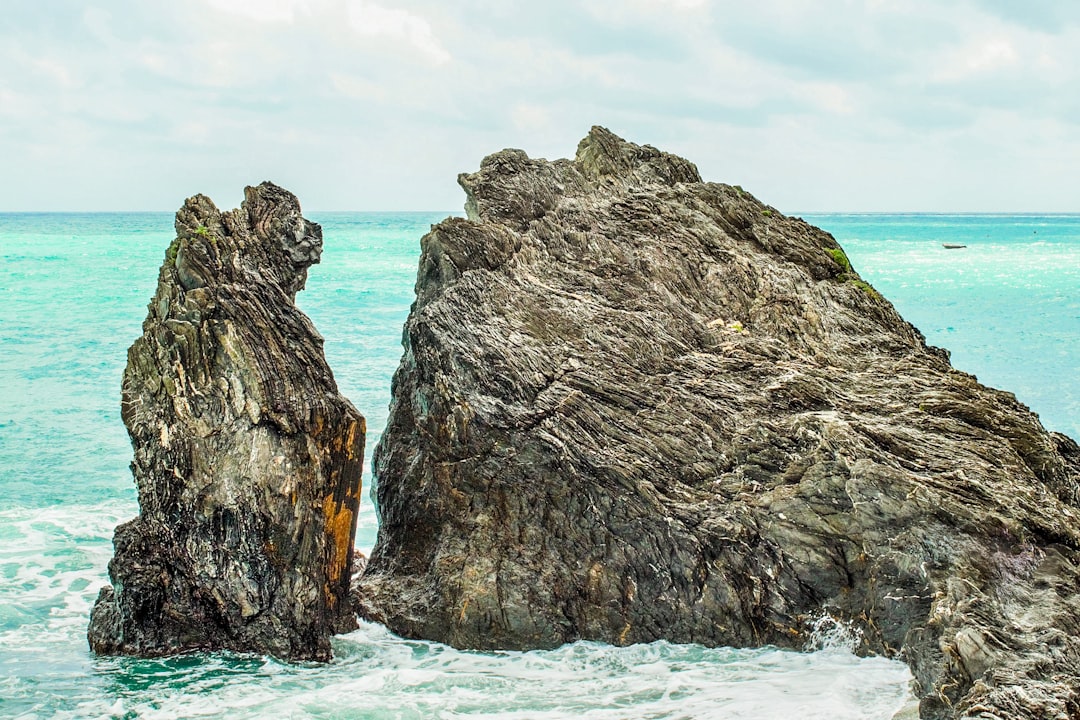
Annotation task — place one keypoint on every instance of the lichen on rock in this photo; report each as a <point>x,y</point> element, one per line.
<point>637,406</point>
<point>247,458</point>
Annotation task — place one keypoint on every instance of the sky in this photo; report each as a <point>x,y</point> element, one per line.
<point>831,105</point>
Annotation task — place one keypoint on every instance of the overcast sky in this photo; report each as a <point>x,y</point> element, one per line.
<point>813,106</point>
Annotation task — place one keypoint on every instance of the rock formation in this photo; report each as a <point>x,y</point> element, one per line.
<point>247,459</point>
<point>634,405</point>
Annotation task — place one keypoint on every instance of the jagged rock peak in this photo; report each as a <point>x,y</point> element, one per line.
<point>603,153</point>
<point>513,187</point>
<point>267,241</point>
<point>247,458</point>
<point>636,406</point>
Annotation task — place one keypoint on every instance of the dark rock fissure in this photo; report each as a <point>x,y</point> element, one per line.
<point>247,459</point>
<point>636,406</point>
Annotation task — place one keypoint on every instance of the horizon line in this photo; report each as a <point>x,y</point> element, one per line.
<point>792,213</point>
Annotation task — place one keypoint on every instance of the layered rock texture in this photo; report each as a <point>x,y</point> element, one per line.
<point>634,405</point>
<point>247,459</point>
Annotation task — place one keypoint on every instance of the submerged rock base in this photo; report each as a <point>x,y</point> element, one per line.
<point>637,406</point>
<point>247,459</point>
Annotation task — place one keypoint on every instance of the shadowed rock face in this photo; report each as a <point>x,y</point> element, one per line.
<point>634,405</point>
<point>247,459</point>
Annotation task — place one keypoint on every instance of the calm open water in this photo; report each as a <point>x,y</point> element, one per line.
<point>73,293</point>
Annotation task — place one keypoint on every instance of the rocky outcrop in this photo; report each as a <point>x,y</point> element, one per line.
<point>634,405</point>
<point>247,459</point>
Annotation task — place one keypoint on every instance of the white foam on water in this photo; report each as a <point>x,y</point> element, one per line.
<point>52,563</point>
<point>377,675</point>
<point>55,560</point>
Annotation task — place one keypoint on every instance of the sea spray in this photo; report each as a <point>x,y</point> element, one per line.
<point>829,634</point>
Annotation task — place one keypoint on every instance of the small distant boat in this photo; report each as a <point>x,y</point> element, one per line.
<point>952,246</point>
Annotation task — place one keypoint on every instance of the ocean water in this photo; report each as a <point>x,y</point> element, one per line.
<point>1007,306</point>
<point>73,293</point>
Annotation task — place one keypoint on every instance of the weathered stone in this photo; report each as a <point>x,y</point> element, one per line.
<point>633,405</point>
<point>247,459</point>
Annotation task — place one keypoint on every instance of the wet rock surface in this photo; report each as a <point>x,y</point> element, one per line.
<point>634,405</point>
<point>247,459</point>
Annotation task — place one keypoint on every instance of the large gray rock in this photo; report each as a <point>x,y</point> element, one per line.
<point>247,459</point>
<point>634,405</point>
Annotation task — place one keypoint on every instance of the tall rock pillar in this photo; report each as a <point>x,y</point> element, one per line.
<point>247,458</point>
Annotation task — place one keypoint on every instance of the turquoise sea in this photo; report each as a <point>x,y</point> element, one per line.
<point>73,293</point>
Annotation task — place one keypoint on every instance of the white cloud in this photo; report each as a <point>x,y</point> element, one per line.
<point>358,88</point>
<point>830,97</point>
<point>379,104</point>
<point>192,132</point>
<point>263,10</point>
<point>531,118</point>
<point>15,106</point>
<point>984,55</point>
<point>45,64</point>
<point>679,4</point>
<point>370,19</point>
